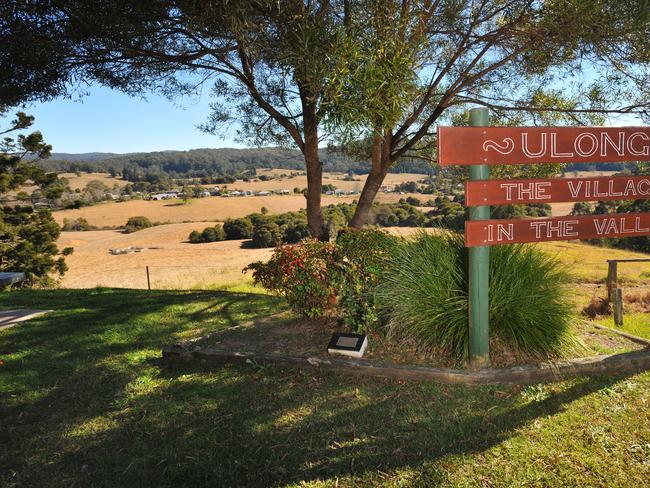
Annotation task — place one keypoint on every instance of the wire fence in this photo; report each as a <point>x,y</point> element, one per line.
<point>198,277</point>
<point>152,277</point>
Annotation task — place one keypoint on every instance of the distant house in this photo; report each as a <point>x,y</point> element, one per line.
<point>164,196</point>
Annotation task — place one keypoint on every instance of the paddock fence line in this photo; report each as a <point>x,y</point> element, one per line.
<point>197,277</point>
<point>156,277</point>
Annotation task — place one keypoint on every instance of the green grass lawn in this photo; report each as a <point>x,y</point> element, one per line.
<point>637,324</point>
<point>84,402</point>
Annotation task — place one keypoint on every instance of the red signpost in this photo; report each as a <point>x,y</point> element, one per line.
<point>505,231</point>
<point>511,192</point>
<point>535,145</point>
<point>480,146</point>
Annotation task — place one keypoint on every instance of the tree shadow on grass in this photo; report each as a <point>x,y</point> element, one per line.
<point>262,427</point>
<point>101,413</point>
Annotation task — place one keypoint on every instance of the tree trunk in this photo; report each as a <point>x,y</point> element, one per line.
<point>380,165</point>
<point>315,220</point>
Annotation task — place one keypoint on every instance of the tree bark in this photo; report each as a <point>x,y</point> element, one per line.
<point>314,166</point>
<point>381,163</point>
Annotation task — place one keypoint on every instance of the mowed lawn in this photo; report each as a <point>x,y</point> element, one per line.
<point>85,402</point>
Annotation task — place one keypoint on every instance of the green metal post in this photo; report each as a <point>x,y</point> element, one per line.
<point>479,266</point>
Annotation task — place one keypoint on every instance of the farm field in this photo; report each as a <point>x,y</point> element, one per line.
<point>284,180</point>
<point>80,181</point>
<point>177,264</point>
<point>115,214</point>
<point>173,263</point>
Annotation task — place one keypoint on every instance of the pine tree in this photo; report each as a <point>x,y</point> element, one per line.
<point>27,234</point>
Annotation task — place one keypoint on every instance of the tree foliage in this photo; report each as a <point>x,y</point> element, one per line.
<point>378,73</point>
<point>27,236</point>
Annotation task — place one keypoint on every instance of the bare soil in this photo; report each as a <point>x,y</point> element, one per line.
<point>309,338</point>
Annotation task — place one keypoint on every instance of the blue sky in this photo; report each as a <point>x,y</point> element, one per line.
<point>108,121</point>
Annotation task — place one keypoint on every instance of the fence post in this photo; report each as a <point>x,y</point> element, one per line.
<point>479,266</point>
<point>612,277</point>
<point>148,280</point>
<point>618,307</point>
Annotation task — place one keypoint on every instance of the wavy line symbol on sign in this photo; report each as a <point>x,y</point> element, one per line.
<point>504,148</point>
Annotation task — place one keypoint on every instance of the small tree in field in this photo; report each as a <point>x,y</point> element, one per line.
<point>134,224</point>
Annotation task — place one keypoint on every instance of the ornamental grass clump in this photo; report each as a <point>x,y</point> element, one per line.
<point>422,295</point>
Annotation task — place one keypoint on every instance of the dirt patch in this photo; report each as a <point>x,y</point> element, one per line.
<point>309,338</point>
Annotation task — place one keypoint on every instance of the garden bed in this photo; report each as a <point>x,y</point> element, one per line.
<point>302,342</point>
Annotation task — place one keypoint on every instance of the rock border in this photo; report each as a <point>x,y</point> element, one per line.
<point>631,362</point>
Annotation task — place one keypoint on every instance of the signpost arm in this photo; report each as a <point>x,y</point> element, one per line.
<point>479,266</point>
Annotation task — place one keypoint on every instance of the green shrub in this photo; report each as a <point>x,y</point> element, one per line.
<point>79,224</point>
<point>213,234</point>
<point>362,255</point>
<point>267,234</point>
<point>423,294</point>
<point>318,278</point>
<point>135,224</point>
<point>294,232</point>
<point>305,274</point>
<point>209,234</point>
<point>195,237</point>
<point>241,228</point>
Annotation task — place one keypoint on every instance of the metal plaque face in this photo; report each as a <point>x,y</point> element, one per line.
<point>347,342</point>
<point>494,232</point>
<point>536,145</point>
<point>504,192</point>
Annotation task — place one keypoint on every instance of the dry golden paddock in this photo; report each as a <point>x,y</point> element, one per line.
<point>114,214</point>
<point>173,262</point>
<point>176,264</point>
<point>80,181</point>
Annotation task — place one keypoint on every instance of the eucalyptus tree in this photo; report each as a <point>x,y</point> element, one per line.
<point>382,71</point>
<point>412,64</point>
<point>268,62</point>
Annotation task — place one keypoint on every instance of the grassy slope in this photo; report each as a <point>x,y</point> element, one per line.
<point>83,402</point>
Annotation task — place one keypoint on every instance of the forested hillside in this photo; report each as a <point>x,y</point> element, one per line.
<point>210,162</point>
<point>198,163</point>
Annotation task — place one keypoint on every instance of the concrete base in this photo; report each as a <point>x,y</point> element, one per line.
<point>9,318</point>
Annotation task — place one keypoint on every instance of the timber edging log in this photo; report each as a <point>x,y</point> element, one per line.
<point>630,362</point>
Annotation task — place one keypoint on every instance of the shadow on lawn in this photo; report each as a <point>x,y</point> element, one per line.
<point>99,416</point>
<point>272,427</point>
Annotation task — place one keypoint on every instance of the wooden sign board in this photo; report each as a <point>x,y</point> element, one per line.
<point>493,232</point>
<point>511,192</point>
<point>535,145</point>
